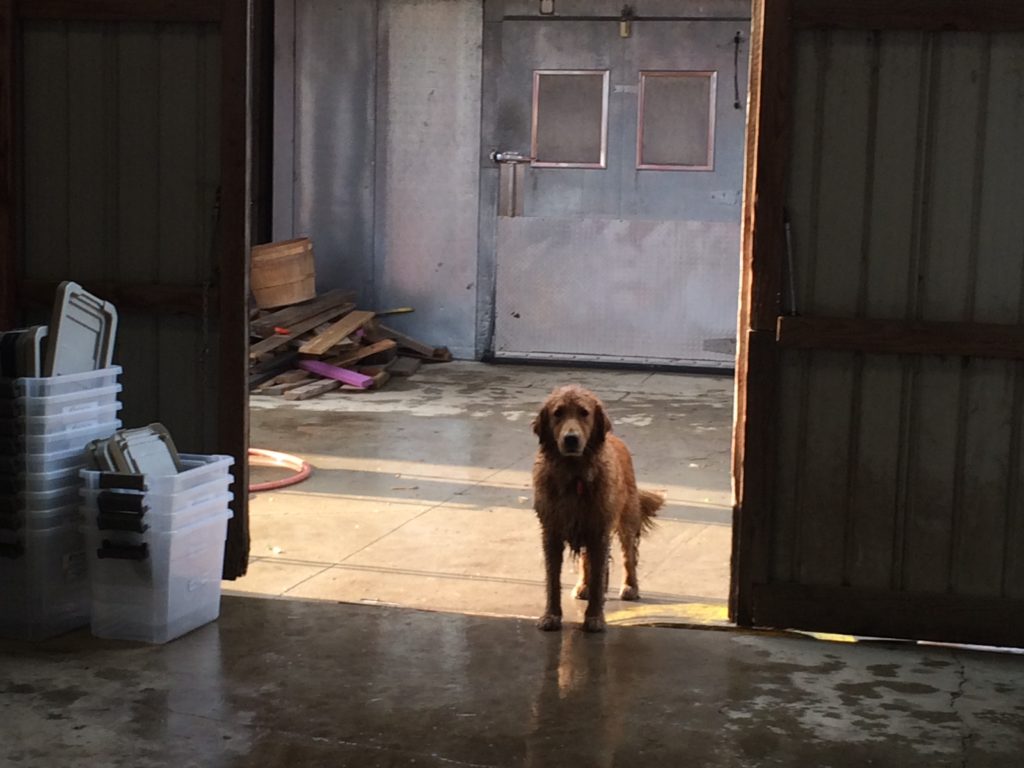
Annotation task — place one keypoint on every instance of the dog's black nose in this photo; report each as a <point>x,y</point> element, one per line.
<point>571,443</point>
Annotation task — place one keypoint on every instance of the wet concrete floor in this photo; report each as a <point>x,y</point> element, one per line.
<point>302,683</point>
<point>421,494</point>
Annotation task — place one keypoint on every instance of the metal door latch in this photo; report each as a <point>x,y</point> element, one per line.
<point>510,157</point>
<point>510,191</point>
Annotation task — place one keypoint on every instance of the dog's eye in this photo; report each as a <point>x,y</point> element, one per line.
<point>584,412</point>
<point>559,411</point>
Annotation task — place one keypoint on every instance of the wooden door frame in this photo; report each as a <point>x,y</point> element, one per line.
<point>233,18</point>
<point>763,331</point>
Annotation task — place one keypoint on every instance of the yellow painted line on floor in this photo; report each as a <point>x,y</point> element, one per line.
<point>714,615</point>
<point>832,638</point>
<point>682,613</point>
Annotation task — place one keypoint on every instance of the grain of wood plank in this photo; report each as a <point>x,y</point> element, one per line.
<point>363,352</point>
<point>404,366</point>
<point>285,386</point>
<point>313,389</point>
<point>338,331</point>
<point>382,331</point>
<point>379,375</point>
<point>289,316</point>
<point>339,374</point>
<point>290,376</point>
<point>297,329</point>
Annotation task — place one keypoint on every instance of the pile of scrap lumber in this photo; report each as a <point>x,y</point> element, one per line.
<point>306,349</point>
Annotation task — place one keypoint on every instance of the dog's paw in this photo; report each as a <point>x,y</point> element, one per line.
<point>549,622</point>
<point>593,624</point>
<point>629,593</point>
<point>581,592</point>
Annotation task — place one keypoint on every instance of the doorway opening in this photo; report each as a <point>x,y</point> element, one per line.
<point>586,233</point>
<point>421,492</point>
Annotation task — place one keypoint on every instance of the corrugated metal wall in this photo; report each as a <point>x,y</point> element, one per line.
<point>121,165</point>
<point>904,472</point>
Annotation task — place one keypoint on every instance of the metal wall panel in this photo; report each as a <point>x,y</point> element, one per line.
<point>376,142</point>
<point>549,289</point>
<point>121,165</point>
<point>903,472</point>
<point>428,178</point>
<point>326,164</point>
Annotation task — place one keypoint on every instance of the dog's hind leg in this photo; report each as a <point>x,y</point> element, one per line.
<point>630,542</point>
<point>553,547</point>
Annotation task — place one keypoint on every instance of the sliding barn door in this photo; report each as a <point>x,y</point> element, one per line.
<point>124,162</point>
<point>879,453</point>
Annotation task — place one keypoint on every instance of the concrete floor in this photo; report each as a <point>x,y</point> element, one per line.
<point>421,493</point>
<point>301,683</point>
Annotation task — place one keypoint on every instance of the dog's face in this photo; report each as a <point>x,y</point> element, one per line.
<point>571,421</point>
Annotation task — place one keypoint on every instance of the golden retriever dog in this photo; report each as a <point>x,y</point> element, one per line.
<point>585,490</point>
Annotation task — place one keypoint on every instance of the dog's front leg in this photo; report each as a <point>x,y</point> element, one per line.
<point>553,546</point>
<point>597,565</point>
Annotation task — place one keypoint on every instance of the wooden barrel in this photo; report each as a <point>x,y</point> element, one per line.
<point>283,273</point>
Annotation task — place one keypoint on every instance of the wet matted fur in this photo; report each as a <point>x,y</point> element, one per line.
<point>584,490</point>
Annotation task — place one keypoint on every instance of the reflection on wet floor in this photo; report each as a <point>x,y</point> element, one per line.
<point>421,493</point>
<point>315,684</point>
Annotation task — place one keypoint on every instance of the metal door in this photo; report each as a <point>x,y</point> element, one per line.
<point>619,204</point>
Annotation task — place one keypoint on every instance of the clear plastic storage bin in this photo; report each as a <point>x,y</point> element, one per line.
<point>46,482</point>
<point>157,521</point>
<point>163,504</point>
<point>40,510</point>
<point>72,459</point>
<point>61,423</point>
<point>72,402</point>
<point>72,438</point>
<point>40,518</point>
<point>199,470</point>
<point>45,587</point>
<point>55,386</point>
<point>157,588</point>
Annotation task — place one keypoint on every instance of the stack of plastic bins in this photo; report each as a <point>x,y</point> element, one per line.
<point>156,548</point>
<point>45,425</point>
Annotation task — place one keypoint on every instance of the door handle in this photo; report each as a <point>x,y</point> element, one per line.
<point>510,185</point>
<point>508,156</point>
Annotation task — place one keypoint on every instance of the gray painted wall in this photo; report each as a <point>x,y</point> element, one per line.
<point>428,174</point>
<point>325,100</point>
<point>377,124</point>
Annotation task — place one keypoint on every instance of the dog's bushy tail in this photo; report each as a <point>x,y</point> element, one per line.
<point>650,503</point>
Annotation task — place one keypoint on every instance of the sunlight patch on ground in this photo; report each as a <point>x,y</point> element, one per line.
<point>672,613</point>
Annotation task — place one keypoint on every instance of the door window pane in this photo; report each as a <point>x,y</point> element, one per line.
<point>676,122</point>
<point>570,113</point>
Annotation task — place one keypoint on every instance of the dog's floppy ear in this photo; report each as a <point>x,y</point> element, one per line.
<point>602,425</point>
<point>542,427</point>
